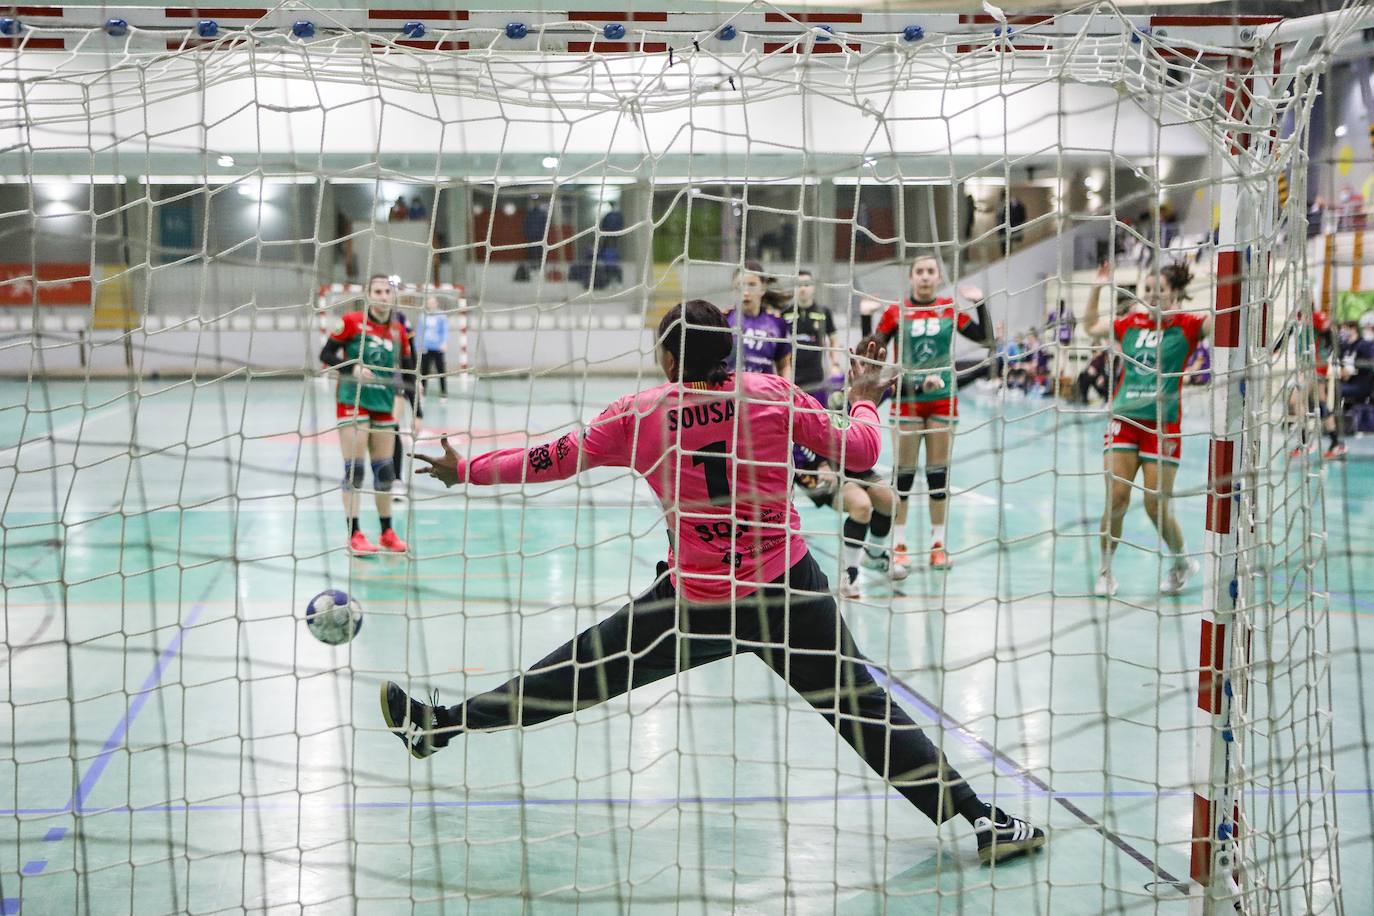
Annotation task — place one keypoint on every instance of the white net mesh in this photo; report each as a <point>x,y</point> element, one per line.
<point>200,209</point>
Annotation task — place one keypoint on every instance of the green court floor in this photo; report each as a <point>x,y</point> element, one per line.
<point>175,741</point>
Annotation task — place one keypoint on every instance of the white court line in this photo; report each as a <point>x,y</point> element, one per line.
<point>77,424</point>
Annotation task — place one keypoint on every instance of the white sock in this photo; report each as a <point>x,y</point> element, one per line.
<point>937,534</point>
<point>850,552</point>
<point>1106,567</point>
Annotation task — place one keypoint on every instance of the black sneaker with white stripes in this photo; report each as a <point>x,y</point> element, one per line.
<point>412,721</point>
<point>1002,836</point>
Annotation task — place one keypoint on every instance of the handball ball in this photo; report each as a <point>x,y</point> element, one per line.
<point>333,617</point>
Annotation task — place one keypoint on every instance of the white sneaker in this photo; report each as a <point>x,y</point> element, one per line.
<point>884,563</point>
<point>1176,579</point>
<point>1106,584</point>
<point>850,587</point>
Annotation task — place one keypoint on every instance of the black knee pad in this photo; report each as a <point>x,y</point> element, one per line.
<point>906,479</point>
<point>353,473</point>
<point>383,474</point>
<point>937,479</point>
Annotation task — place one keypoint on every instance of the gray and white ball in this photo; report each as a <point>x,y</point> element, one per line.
<point>333,617</point>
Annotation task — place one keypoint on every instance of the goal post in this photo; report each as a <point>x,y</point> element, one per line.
<point>838,144</point>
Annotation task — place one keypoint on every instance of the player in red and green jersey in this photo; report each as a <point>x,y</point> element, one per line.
<point>1154,340</point>
<point>366,348</point>
<point>927,405</point>
<point>1317,337</point>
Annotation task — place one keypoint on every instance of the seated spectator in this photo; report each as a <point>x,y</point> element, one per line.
<point>399,211</point>
<point>1096,376</point>
<point>416,210</point>
<point>1357,361</point>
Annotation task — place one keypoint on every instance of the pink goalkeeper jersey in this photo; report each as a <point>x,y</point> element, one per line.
<point>719,460</point>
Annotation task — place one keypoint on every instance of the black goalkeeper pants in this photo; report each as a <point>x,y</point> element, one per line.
<point>804,640</point>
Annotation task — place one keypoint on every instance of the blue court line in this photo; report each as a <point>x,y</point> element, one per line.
<point>1301,582</point>
<point>77,803</point>
<point>1027,779</point>
<point>614,801</point>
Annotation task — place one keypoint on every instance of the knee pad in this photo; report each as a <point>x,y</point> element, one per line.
<point>937,479</point>
<point>383,474</point>
<point>353,473</point>
<point>906,479</point>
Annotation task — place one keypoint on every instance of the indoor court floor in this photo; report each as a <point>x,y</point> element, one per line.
<point>224,759</point>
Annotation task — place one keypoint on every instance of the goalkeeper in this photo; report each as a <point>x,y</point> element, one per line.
<point>739,577</point>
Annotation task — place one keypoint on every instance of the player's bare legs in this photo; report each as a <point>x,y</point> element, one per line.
<point>1120,468</point>
<point>908,449</point>
<point>858,513</point>
<point>382,444</point>
<point>939,437</point>
<point>353,439</point>
<point>1159,491</point>
<point>877,554</point>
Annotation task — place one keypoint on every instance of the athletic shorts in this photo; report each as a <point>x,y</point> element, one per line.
<point>1142,437</point>
<point>353,413</point>
<point>829,496</point>
<point>946,411</point>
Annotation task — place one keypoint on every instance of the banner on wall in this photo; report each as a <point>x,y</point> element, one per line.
<point>58,284</point>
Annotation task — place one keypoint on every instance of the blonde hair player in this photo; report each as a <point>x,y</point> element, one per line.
<point>927,405</point>
<point>365,349</point>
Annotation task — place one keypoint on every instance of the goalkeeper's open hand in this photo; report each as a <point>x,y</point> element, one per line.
<point>869,372</point>
<point>447,468</point>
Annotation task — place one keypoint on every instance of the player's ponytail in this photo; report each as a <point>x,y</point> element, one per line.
<point>698,336</point>
<point>1177,277</point>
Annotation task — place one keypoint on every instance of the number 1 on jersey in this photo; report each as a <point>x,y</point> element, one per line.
<point>717,470</point>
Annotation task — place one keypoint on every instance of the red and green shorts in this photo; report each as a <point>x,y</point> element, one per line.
<point>349,414</point>
<point>1143,437</point>
<point>946,410</point>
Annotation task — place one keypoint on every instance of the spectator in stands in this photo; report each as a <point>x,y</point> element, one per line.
<point>1168,225</point>
<point>399,211</point>
<point>417,209</point>
<point>535,226</point>
<point>1316,214</point>
<point>1357,362</point>
<point>1019,361</point>
<point>1096,376</point>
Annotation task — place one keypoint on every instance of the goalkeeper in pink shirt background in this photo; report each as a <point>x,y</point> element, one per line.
<point>716,448</point>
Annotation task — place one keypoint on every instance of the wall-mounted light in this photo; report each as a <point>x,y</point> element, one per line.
<point>1340,130</point>
<point>225,162</point>
<point>550,162</point>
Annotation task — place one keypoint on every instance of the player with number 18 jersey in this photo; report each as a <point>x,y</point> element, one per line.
<point>1147,403</point>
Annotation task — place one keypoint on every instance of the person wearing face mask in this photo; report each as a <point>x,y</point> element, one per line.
<point>1357,361</point>
<point>1155,339</point>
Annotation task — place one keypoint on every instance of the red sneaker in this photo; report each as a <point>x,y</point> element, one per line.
<point>900,555</point>
<point>939,557</point>
<point>360,546</point>
<point>1336,453</point>
<point>391,541</point>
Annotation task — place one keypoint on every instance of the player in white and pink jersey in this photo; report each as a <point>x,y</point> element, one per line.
<point>716,448</point>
